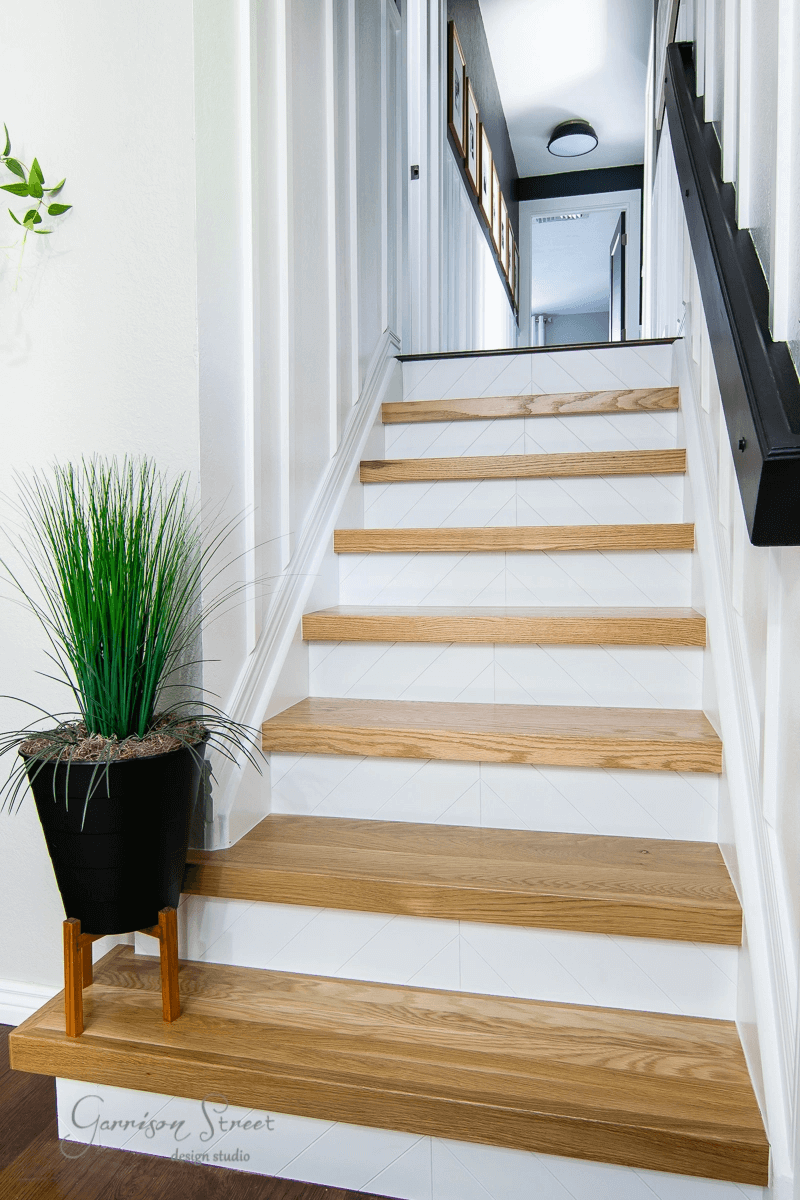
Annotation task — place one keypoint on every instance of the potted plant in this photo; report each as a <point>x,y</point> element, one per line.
<point>112,562</point>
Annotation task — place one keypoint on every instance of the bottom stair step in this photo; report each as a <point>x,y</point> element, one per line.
<point>658,1092</point>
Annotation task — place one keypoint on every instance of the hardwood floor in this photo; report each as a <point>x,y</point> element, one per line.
<point>526,466</point>
<point>33,1166</point>
<point>495,539</point>
<point>559,404</point>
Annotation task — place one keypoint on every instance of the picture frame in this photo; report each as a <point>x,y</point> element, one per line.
<point>485,189</point>
<point>503,244</point>
<point>472,133</point>
<point>511,249</point>
<point>456,89</point>
<point>516,276</point>
<point>495,224</point>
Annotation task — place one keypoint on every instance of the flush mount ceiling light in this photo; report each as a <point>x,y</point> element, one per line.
<point>571,139</point>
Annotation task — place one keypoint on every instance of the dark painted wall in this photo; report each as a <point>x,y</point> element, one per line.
<point>580,183</point>
<point>472,35</point>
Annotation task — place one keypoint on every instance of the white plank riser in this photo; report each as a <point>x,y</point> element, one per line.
<point>658,804</point>
<point>381,1162</point>
<point>613,500</point>
<point>614,676</point>
<point>563,967</point>
<point>523,374</point>
<point>635,578</point>
<point>533,435</point>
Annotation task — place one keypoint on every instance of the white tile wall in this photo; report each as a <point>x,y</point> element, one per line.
<point>561,578</point>
<point>537,964</point>
<point>661,804</point>
<point>377,1161</point>
<point>518,374</point>
<point>616,676</point>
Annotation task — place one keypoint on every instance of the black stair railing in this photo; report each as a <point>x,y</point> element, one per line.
<point>757,378</point>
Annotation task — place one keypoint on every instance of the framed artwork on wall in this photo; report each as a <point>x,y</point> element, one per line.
<point>495,209</point>
<point>456,94</point>
<point>472,134</point>
<point>503,236</point>
<point>511,248</point>
<point>485,190</point>
<point>516,277</point>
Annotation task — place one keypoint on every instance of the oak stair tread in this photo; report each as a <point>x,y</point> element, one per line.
<point>490,539</point>
<point>525,466</point>
<point>641,887</point>
<point>510,625</point>
<point>652,739</point>
<point>653,1091</point>
<point>481,408</point>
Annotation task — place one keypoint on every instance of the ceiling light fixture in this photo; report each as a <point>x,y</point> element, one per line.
<point>571,139</point>
<point>561,217</point>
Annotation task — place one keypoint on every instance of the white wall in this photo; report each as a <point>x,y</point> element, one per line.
<point>98,349</point>
<point>224,296</point>
<point>754,648</point>
<point>456,298</point>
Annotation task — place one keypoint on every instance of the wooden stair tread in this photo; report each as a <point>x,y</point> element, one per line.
<point>526,466</point>
<point>500,538</point>
<point>654,1091</point>
<point>514,625</point>
<point>552,735</point>
<point>616,885</point>
<point>548,404</point>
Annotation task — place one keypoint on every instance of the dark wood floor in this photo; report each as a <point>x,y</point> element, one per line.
<point>32,1166</point>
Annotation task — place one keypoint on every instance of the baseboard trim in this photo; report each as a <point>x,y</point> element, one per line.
<point>18,1001</point>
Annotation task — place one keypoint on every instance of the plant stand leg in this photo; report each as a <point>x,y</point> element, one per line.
<point>73,977</point>
<point>168,939</point>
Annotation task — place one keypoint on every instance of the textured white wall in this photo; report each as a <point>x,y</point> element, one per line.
<point>98,345</point>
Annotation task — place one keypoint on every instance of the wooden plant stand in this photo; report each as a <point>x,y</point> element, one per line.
<point>78,967</point>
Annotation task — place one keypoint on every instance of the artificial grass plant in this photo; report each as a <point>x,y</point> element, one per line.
<point>115,556</point>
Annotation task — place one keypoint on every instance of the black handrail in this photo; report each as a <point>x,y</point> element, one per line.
<point>757,378</point>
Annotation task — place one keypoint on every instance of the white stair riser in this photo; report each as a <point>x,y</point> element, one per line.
<point>657,804</point>
<point>618,500</point>
<point>533,435</point>
<point>580,577</point>
<point>612,676</point>
<point>557,966</point>
<point>336,1154</point>
<point>523,374</point>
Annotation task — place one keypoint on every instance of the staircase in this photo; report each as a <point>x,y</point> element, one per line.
<point>486,943</point>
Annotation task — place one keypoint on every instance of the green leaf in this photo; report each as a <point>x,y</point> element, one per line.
<point>32,215</point>
<point>16,189</point>
<point>57,188</point>
<point>13,218</point>
<point>15,167</point>
<point>37,171</point>
<point>55,210</point>
<point>34,186</point>
<point>42,231</point>
<point>7,150</point>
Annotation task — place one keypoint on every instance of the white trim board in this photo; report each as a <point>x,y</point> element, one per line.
<point>261,672</point>
<point>18,1000</point>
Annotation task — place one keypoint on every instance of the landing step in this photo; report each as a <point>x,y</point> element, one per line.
<point>526,466</point>
<point>499,538</point>
<point>483,408</point>
<point>666,1093</point>
<point>651,739</point>
<point>617,885</point>
<point>593,626</point>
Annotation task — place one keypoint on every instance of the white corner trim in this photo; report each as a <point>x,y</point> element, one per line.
<point>764,893</point>
<point>251,693</point>
<point>18,1001</point>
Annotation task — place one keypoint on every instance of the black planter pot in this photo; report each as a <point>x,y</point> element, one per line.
<point>125,861</point>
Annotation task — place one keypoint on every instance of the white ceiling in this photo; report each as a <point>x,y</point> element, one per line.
<point>571,263</point>
<point>556,59</point>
